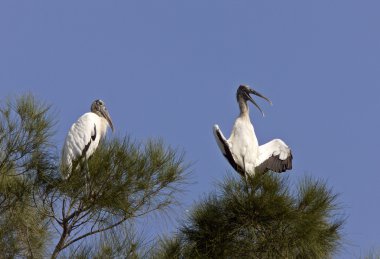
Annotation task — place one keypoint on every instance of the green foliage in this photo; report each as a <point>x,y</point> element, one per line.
<point>25,132</point>
<point>117,243</point>
<point>169,248</point>
<point>25,154</point>
<point>260,219</point>
<point>127,180</point>
<point>94,213</point>
<point>23,231</point>
<point>41,214</point>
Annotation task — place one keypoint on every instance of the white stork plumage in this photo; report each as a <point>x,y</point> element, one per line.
<point>84,136</point>
<point>242,149</point>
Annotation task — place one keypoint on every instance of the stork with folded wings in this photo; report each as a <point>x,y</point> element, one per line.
<point>84,135</point>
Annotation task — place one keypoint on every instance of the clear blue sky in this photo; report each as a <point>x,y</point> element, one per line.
<point>170,69</point>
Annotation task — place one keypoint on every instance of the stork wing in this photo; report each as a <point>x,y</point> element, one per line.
<point>225,147</point>
<point>275,156</point>
<point>81,141</point>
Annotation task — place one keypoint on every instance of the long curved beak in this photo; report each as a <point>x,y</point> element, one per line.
<point>107,116</point>
<point>259,95</point>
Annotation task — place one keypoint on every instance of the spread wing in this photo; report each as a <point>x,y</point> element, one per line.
<point>225,147</point>
<point>275,156</point>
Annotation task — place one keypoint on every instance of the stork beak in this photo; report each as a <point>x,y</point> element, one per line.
<point>259,95</point>
<point>107,116</point>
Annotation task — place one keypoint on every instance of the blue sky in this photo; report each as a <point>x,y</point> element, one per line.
<point>170,69</point>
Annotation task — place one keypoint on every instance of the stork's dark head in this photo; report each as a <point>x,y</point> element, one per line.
<point>243,94</point>
<point>99,107</point>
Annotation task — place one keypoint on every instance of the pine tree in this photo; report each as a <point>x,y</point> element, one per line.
<point>260,219</point>
<point>43,215</point>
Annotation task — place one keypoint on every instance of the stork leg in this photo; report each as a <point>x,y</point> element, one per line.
<point>245,172</point>
<point>246,176</point>
<point>87,178</point>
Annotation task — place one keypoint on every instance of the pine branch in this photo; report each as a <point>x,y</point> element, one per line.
<point>94,232</point>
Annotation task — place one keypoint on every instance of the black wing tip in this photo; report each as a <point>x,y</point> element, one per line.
<point>275,164</point>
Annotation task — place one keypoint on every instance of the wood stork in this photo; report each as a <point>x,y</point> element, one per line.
<point>84,136</point>
<point>242,149</point>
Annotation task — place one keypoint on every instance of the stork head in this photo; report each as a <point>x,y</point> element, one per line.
<point>99,107</point>
<point>243,93</point>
